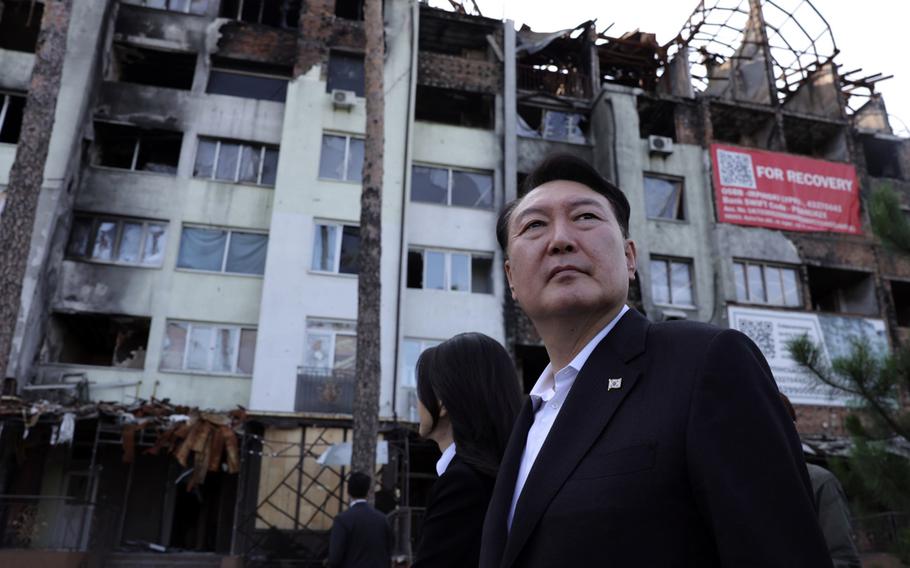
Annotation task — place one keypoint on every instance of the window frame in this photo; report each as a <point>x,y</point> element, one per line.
<point>224,255</point>
<point>347,156</point>
<point>334,333</point>
<point>339,225</point>
<point>681,205</point>
<point>5,101</point>
<point>243,144</point>
<point>96,220</point>
<point>137,134</point>
<point>450,174</point>
<point>669,261</point>
<point>447,269</point>
<point>211,350</point>
<point>169,3</point>
<point>762,265</point>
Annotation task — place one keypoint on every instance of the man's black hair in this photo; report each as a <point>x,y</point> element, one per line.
<point>566,167</point>
<point>359,485</point>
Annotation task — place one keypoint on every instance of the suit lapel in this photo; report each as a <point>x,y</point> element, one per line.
<point>584,415</point>
<point>495,529</point>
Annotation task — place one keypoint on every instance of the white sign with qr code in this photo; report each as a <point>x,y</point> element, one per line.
<point>771,330</point>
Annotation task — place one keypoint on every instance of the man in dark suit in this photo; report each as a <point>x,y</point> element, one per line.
<point>642,444</point>
<point>361,536</point>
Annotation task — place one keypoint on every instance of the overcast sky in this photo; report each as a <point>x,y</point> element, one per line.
<point>869,34</point>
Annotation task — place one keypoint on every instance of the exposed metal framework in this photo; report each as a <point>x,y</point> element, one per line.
<point>792,35</point>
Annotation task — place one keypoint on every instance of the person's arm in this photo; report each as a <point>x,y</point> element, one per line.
<point>337,542</point>
<point>453,523</point>
<point>834,518</point>
<point>745,462</point>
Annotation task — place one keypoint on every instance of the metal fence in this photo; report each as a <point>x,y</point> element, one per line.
<point>879,532</point>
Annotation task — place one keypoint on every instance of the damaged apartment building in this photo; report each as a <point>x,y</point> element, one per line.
<point>197,237</point>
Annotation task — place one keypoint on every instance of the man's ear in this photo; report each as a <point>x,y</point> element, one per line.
<point>631,258</point>
<point>442,410</point>
<point>508,267</point>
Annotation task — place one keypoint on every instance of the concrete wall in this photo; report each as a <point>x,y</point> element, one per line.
<point>688,239</point>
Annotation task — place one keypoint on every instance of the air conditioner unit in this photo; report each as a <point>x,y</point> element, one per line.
<point>343,99</point>
<point>660,144</point>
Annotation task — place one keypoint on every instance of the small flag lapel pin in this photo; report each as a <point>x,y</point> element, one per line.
<point>614,384</point>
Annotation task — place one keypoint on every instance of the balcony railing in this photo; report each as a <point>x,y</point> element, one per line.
<point>562,83</point>
<point>329,391</point>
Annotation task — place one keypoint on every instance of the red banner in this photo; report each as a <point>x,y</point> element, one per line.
<point>783,191</point>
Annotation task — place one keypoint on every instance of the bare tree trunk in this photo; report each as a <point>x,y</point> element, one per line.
<point>27,172</point>
<point>366,395</point>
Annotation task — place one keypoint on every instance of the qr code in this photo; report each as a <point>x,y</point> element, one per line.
<point>762,333</point>
<point>735,169</point>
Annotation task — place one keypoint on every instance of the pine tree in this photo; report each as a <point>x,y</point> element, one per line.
<point>876,478</point>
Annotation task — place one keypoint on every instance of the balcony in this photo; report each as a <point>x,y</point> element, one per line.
<point>560,82</point>
<point>326,391</point>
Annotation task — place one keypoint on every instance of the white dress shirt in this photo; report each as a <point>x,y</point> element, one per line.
<point>443,464</point>
<point>548,395</point>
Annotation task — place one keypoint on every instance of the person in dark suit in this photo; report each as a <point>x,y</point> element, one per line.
<point>467,398</point>
<point>361,536</point>
<point>643,444</point>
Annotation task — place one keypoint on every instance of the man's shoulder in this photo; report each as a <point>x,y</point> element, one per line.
<point>691,332</point>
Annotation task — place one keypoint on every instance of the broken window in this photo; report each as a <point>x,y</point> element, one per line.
<point>98,339</point>
<point>411,349</point>
<point>222,250</point>
<point>12,107</point>
<point>206,347</point>
<point>656,117</point>
<point>132,148</point>
<point>198,7</point>
<point>349,9</point>
<point>345,72</point>
<point>843,291</point>
<point>275,13</point>
<point>761,283</point>
<point>448,106</point>
<point>20,22</point>
<point>671,282</point>
<point>882,157</point>
<point>154,67</point>
<point>336,248</point>
<point>900,295</point>
<point>330,344</point>
<point>557,125</point>
<point>663,197</point>
<point>454,271</point>
<point>341,158</point>
<point>238,162</point>
<point>248,80</point>
<point>450,186</point>
<point>117,240</point>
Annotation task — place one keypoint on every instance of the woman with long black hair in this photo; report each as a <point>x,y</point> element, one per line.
<point>468,398</point>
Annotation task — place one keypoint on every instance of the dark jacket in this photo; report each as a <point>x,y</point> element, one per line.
<point>834,517</point>
<point>691,462</point>
<point>454,520</point>
<point>361,538</point>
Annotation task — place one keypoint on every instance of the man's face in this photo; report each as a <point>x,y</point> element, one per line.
<point>567,255</point>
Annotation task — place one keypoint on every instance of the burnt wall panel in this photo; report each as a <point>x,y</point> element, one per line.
<point>453,72</point>
<point>259,43</point>
<point>818,420</point>
<point>320,31</point>
<point>839,252</point>
<point>180,30</point>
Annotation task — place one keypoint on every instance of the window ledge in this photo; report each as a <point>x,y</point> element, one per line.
<point>239,183</point>
<point>125,170</point>
<point>542,139</point>
<point>211,374</point>
<point>341,181</point>
<point>112,263</point>
<point>666,220</point>
<point>688,307</point>
<point>59,365</point>
<point>799,308</point>
<point>463,207</point>
<point>330,273</point>
<point>218,273</point>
